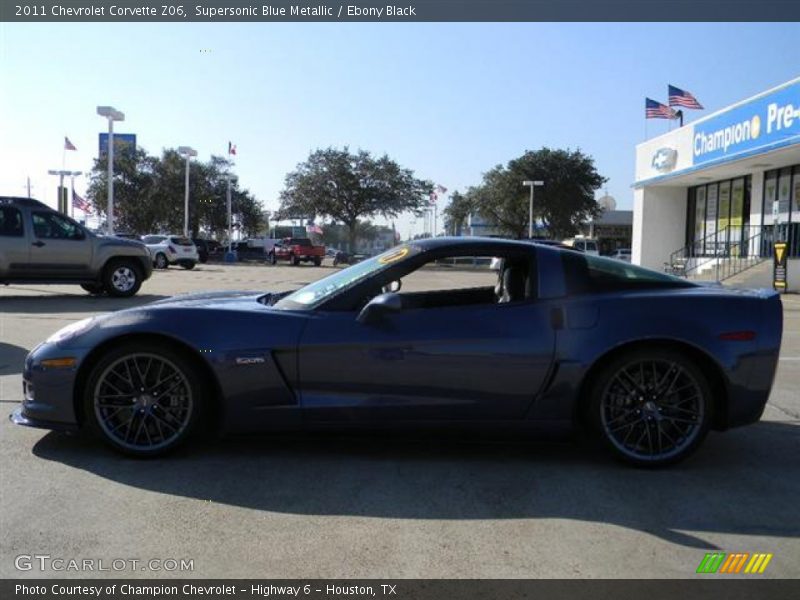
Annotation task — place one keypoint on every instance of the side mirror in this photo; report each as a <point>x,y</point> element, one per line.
<point>380,306</point>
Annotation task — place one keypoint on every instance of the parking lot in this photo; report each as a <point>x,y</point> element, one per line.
<point>400,507</point>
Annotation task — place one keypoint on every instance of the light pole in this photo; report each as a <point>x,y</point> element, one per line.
<point>112,114</point>
<point>61,174</point>
<point>187,153</point>
<point>531,184</point>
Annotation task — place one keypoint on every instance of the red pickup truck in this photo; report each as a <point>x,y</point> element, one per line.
<point>296,250</point>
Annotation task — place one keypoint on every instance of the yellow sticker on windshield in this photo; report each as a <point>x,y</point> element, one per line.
<point>394,256</point>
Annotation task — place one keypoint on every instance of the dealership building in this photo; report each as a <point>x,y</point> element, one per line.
<point>723,188</point>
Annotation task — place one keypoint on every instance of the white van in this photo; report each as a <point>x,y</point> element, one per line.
<point>584,244</point>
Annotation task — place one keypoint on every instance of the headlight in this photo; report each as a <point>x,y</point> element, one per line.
<point>70,330</point>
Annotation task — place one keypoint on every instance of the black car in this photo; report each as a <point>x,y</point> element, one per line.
<point>202,249</point>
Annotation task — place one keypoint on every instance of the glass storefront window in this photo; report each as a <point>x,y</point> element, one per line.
<point>700,221</point>
<point>770,194</point>
<point>711,219</point>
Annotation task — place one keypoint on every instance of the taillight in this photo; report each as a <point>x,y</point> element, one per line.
<point>738,336</point>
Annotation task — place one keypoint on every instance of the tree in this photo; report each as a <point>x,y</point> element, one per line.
<point>149,195</point>
<point>457,212</point>
<point>564,202</point>
<point>348,187</point>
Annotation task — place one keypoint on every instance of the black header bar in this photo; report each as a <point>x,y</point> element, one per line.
<point>399,11</point>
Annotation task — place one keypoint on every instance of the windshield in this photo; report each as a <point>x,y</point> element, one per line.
<point>317,292</point>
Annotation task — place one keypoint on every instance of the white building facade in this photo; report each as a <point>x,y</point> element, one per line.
<point>726,185</point>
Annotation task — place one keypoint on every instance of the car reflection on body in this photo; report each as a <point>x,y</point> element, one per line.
<point>647,362</point>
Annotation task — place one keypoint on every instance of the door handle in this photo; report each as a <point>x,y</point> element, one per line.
<point>38,244</point>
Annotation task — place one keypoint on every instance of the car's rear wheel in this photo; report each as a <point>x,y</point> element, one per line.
<point>93,288</point>
<point>272,259</point>
<point>295,259</point>
<point>317,261</point>
<point>651,407</point>
<point>122,278</point>
<point>143,401</point>
<point>161,261</point>
<point>188,264</point>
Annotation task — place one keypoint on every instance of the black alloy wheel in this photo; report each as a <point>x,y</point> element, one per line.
<point>143,401</point>
<point>652,407</point>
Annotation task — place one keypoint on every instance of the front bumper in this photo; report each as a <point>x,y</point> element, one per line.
<point>18,417</point>
<point>48,393</point>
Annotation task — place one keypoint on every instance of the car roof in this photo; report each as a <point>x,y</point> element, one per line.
<point>476,243</point>
<point>22,201</point>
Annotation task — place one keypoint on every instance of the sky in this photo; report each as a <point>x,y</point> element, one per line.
<point>447,100</point>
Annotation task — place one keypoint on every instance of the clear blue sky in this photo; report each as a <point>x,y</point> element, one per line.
<point>446,100</point>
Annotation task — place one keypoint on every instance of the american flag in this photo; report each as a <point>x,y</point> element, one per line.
<point>433,197</point>
<point>68,145</point>
<point>311,228</point>
<point>656,110</point>
<point>679,97</point>
<point>80,203</point>
<point>440,189</point>
<point>231,148</point>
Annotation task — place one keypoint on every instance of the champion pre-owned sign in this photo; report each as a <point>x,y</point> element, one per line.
<point>769,120</point>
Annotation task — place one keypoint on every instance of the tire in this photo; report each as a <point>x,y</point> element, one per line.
<point>317,261</point>
<point>140,423</point>
<point>188,264</point>
<point>95,289</point>
<point>161,261</point>
<point>272,259</point>
<point>652,407</point>
<point>295,260</point>
<point>122,278</point>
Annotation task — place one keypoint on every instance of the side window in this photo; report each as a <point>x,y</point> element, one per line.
<point>467,280</point>
<point>49,225</point>
<point>10,222</point>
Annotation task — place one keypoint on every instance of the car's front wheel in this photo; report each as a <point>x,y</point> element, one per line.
<point>652,407</point>
<point>161,261</point>
<point>122,278</point>
<point>143,400</point>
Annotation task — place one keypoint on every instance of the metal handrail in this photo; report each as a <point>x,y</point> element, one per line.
<point>722,247</point>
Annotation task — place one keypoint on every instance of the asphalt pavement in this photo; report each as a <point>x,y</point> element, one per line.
<point>376,506</point>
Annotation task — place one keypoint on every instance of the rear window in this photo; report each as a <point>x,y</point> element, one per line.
<point>181,241</point>
<point>586,273</point>
<point>300,242</point>
<point>10,222</point>
<point>153,239</point>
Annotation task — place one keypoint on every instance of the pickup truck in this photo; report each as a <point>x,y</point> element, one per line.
<point>296,250</point>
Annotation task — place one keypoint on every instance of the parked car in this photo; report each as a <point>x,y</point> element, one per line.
<point>203,249</point>
<point>584,244</point>
<point>558,340</point>
<point>623,254</point>
<point>169,250</point>
<point>296,250</point>
<point>41,245</point>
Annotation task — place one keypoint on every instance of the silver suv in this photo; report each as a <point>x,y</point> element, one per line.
<point>40,245</point>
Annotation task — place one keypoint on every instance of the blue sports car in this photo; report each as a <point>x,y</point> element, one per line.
<point>646,362</point>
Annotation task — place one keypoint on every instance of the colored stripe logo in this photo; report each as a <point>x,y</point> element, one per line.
<point>734,563</point>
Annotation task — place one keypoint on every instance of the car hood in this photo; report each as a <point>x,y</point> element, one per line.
<point>212,298</point>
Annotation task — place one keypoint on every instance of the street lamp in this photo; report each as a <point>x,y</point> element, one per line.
<point>112,114</point>
<point>61,174</point>
<point>531,184</point>
<point>187,153</point>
